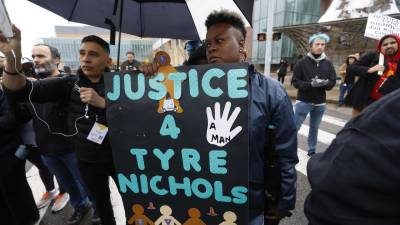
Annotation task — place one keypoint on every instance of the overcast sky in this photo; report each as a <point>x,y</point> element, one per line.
<point>34,22</point>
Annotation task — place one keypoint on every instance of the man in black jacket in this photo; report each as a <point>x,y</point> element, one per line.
<point>50,125</point>
<point>84,96</point>
<point>313,76</point>
<point>17,206</point>
<point>371,86</point>
<point>131,63</point>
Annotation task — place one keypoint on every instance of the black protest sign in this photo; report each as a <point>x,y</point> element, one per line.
<point>180,143</point>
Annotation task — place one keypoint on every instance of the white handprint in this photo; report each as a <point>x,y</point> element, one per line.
<point>219,127</point>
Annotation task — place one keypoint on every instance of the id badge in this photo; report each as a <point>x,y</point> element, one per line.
<point>97,133</point>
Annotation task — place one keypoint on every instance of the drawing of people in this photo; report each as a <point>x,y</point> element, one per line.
<point>166,218</point>
<point>138,217</point>
<point>194,219</point>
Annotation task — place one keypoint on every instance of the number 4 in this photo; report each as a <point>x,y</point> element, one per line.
<point>169,127</point>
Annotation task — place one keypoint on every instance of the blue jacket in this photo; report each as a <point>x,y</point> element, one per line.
<point>270,104</point>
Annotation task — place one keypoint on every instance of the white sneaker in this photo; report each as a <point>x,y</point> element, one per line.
<point>61,202</point>
<point>46,198</point>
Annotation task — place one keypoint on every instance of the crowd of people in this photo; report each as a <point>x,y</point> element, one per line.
<point>72,104</point>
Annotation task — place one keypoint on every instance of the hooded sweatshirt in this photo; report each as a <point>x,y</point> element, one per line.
<point>306,69</point>
<point>392,63</point>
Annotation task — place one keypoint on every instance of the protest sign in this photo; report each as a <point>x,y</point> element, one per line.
<point>380,25</point>
<point>180,143</point>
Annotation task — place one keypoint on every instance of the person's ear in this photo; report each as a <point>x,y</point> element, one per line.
<point>57,60</point>
<point>109,62</point>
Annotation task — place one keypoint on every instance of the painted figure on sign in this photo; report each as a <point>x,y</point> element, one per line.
<point>138,217</point>
<point>229,218</point>
<point>194,219</point>
<point>168,102</point>
<point>166,218</point>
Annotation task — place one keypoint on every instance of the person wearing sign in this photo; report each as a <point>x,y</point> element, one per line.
<point>313,75</point>
<point>225,41</point>
<point>269,104</point>
<point>371,87</point>
<point>356,181</point>
<point>87,121</point>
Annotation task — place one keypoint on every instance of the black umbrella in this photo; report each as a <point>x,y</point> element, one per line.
<point>144,18</point>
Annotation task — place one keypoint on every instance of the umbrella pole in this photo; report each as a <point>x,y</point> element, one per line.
<point>120,32</point>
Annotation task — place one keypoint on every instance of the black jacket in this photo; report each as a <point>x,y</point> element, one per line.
<point>9,128</point>
<point>55,113</point>
<point>283,68</point>
<point>126,65</point>
<point>359,95</point>
<point>357,180</point>
<point>304,71</point>
<point>65,89</point>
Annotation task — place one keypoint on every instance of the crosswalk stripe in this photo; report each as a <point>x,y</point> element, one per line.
<point>333,120</point>
<point>303,160</point>
<point>323,136</point>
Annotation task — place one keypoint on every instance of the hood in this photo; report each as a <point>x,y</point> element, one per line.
<point>320,58</point>
<point>395,57</point>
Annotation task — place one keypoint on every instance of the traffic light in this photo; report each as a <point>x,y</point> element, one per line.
<point>261,37</point>
<point>276,36</point>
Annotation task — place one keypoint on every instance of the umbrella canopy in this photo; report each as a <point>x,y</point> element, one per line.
<point>144,18</point>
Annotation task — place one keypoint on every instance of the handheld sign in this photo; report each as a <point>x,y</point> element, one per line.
<point>180,143</point>
<point>379,26</point>
<point>5,22</point>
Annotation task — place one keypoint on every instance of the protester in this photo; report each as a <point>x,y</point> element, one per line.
<point>282,70</point>
<point>22,114</point>
<point>225,41</point>
<point>83,96</point>
<point>56,149</point>
<point>371,86</point>
<point>346,81</point>
<point>313,75</point>
<point>131,63</point>
<point>197,57</point>
<point>356,180</point>
<point>17,205</point>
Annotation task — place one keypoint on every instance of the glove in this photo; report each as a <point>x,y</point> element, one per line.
<point>315,82</point>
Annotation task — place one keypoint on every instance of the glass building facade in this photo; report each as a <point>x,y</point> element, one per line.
<point>287,12</point>
<point>69,49</point>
